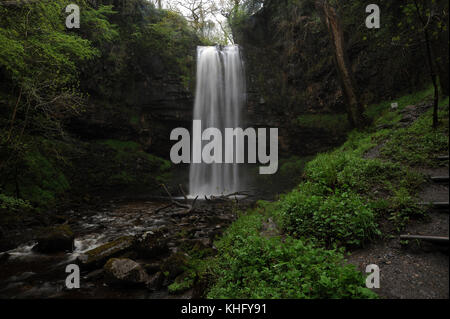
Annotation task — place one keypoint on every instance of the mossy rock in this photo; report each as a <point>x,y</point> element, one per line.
<point>198,248</point>
<point>183,283</point>
<point>55,239</point>
<point>151,244</point>
<point>175,265</point>
<point>98,256</point>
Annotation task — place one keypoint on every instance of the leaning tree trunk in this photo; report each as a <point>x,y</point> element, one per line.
<point>355,109</point>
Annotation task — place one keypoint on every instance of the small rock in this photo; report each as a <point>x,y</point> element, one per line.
<point>124,271</point>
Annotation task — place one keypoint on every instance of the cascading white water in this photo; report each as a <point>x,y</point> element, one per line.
<point>220,96</point>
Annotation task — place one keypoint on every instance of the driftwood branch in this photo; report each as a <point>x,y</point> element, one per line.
<point>228,196</point>
<point>435,239</point>
<point>189,208</point>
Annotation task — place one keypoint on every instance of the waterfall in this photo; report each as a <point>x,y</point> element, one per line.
<point>220,96</point>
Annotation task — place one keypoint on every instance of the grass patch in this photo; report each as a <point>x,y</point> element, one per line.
<point>419,144</point>
<point>381,113</point>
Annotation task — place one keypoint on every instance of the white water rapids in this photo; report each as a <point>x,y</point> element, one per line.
<point>219,99</point>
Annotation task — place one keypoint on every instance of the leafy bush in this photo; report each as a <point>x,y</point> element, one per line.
<point>346,170</point>
<point>13,210</point>
<point>402,207</point>
<point>251,266</point>
<point>341,217</point>
<point>12,204</point>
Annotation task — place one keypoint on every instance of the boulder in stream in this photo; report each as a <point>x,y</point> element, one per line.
<point>96,258</point>
<point>55,239</point>
<point>151,244</point>
<point>125,272</point>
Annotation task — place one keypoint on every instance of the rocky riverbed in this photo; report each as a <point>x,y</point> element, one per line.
<point>124,250</point>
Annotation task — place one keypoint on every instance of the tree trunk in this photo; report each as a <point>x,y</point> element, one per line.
<point>433,76</point>
<point>13,117</point>
<point>355,109</point>
<point>440,46</point>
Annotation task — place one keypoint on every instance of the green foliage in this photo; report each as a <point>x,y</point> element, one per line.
<point>419,143</point>
<point>292,167</point>
<point>172,40</point>
<point>345,170</point>
<point>251,266</point>
<point>42,64</point>
<point>12,204</point>
<point>402,207</point>
<point>340,201</point>
<point>44,180</point>
<point>183,282</point>
<point>126,149</point>
<point>34,51</point>
<point>96,25</point>
<point>382,113</point>
<point>37,172</point>
<point>13,210</point>
<point>339,218</point>
<point>239,11</point>
<point>129,166</point>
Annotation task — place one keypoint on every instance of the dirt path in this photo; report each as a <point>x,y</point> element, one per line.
<point>413,270</point>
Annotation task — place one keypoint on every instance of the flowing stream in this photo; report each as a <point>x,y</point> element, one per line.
<point>219,99</point>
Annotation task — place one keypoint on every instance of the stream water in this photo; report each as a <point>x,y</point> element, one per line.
<point>30,274</point>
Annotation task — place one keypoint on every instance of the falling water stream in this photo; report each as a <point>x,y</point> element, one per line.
<point>219,99</point>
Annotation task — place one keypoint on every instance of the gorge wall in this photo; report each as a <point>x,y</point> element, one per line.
<point>291,74</point>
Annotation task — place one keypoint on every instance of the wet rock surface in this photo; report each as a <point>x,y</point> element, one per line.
<point>55,239</point>
<point>124,271</point>
<point>124,250</point>
<point>98,256</point>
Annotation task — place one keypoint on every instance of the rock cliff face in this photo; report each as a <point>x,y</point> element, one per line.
<point>147,113</point>
<point>291,73</point>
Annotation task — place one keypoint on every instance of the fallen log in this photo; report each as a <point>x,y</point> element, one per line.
<point>439,179</point>
<point>228,196</point>
<point>436,205</point>
<point>435,239</point>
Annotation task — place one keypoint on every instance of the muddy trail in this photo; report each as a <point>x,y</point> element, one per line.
<point>150,242</point>
<point>414,269</point>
